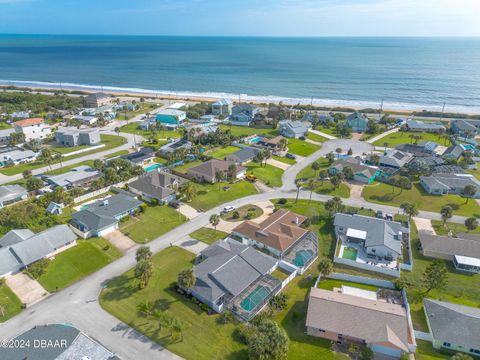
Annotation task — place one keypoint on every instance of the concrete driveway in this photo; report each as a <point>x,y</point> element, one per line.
<point>187,211</point>
<point>424,225</point>
<point>120,241</point>
<point>356,190</point>
<point>382,135</point>
<point>278,164</point>
<point>192,245</point>
<point>29,291</point>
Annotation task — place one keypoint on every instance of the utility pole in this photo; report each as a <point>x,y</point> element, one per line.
<point>381,109</point>
<point>441,114</point>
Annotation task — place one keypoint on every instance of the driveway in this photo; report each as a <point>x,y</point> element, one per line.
<point>187,211</point>
<point>278,164</point>
<point>356,191</point>
<point>382,135</point>
<point>120,241</point>
<point>29,291</point>
<point>325,135</point>
<point>267,207</point>
<point>192,245</point>
<point>424,225</point>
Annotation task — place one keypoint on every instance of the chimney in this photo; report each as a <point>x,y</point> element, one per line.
<point>296,220</point>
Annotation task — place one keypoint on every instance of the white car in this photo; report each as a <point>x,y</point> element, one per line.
<point>228,208</point>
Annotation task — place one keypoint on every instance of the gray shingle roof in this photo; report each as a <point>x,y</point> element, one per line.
<point>15,236</point>
<point>243,155</point>
<point>395,158</point>
<point>456,324</point>
<point>463,244</point>
<point>450,181</point>
<point>157,184</point>
<point>454,151</point>
<point>419,125</point>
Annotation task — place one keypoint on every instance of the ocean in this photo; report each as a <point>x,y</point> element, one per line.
<point>408,73</point>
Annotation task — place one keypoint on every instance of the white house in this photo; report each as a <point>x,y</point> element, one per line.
<point>33,128</point>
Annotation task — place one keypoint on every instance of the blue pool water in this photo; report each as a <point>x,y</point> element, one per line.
<point>302,257</point>
<point>468,147</point>
<point>255,140</point>
<point>152,167</point>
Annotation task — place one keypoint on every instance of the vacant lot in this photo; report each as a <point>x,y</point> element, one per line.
<point>133,128</point>
<point>154,222</point>
<point>211,195</point>
<point>75,263</point>
<point>269,175</point>
<point>403,137</point>
<point>301,148</point>
<point>220,153</point>
<point>284,160</point>
<point>315,137</point>
<point>183,168</point>
<point>440,229</point>
<point>207,235</point>
<point>11,304</point>
<point>384,194</point>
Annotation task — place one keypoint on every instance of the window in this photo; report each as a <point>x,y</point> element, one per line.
<point>446,344</point>
<point>475,351</point>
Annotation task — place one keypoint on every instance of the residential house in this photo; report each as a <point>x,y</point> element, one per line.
<point>453,327</point>
<point>361,172</point>
<point>107,112</point>
<point>158,185</point>
<point>171,118</point>
<point>5,136</point>
<point>463,250</point>
<point>207,171</point>
<point>281,235</point>
<point>419,150</point>
<point>395,158</point>
<point>222,107</point>
<point>420,126</point>
<point>243,155</point>
<point>376,238</point>
<point>20,115</point>
<point>177,106</point>
<point>55,208</point>
<point>227,274</point>
<point>142,157</point>
<point>10,194</point>
<point>98,99</point>
<point>126,105</point>
<point>293,129</point>
<point>454,152</point>
<point>243,114</point>
<point>147,123</point>
<point>443,184</point>
<point>80,176</point>
<point>176,145</point>
<point>274,144</point>
<point>20,248</point>
<point>71,136</point>
<point>348,316</point>
<point>33,129</point>
<point>465,128</point>
<point>86,119</point>
<point>102,216</point>
<point>357,122</point>
<point>13,156</point>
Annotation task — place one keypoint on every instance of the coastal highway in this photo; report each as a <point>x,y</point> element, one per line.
<point>78,304</point>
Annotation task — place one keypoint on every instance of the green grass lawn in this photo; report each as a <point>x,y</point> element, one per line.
<point>308,173</point>
<point>244,131</point>
<point>280,274</point>
<point>284,160</point>
<point>270,175</point>
<point>110,141</point>
<point>11,304</point>
<point>382,194</point>
<point>454,227</point>
<point>143,108</point>
<point>75,263</point>
<point>326,187</point>
<point>402,137</point>
<point>301,148</point>
<point>220,153</point>
<point>425,351</point>
<point>68,168</point>
<point>187,165</point>
<point>133,128</point>
<point>207,235</point>
<point>330,284</point>
<point>58,149</point>
<point>154,222</point>
<point>330,130</point>
<point>211,195</point>
<point>117,153</point>
<point>242,211</point>
<point>316,137</point>
<point>475,172</point>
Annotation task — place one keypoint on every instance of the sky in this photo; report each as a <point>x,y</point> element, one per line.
<point>243,17</point>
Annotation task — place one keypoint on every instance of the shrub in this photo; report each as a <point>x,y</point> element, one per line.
<point>282,201</point>
<point>235,215</point>
<point>225,317</point>
<point>279,302</point>
<point>242,333</point>
<point>143,207</point>
<point>154,202</point>
<point>37,269</point>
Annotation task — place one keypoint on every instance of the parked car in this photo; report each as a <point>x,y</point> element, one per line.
<point>379,214</point>
<point>290,156</point>
<point>228,208</point>
<point>174,204</point>
<point>389,217</point>
<point>302,138</point>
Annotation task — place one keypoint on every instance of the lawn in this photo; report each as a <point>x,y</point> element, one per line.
<point>133,128</point>
<point>77,262</point>
<point>402,137</point>
<point>284,160</point>
<point>207,235</point>
<point>475,172</point>
<point>187,165</point>
<point>382,194</point>
<point>211,195</point>
<point>244,131</point>
<point>11,304</point>
<point>454,227</point>
<point>270,175</point>
<point>117,153</point>
<point>315,137</point>
<point>220,153</point>
<point>143,108</point>
<point>110,141</point>
<point>326,187</point>
<point>308,173</point>
<point>154,222</point>
<point>425,351</point>
<point>253,210</point>
<point>68,168</point>
<point>330,284</point>
<point>330,130</point>
<point>301,148</point>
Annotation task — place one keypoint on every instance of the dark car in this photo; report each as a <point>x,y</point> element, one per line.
<point>290,156</point>
<point>174,204</point>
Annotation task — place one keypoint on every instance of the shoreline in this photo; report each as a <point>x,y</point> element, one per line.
<point>397,108</point>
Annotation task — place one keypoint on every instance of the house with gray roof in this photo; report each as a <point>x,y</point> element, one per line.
<point>5,135</point>
<point>230,275</point>
<point>465,128</point>
<point>222,107</point>
<point>20,248</point>
<point>361,172</point>
<point>71,136</point>
<point>175,145</point>
<point>453,327</point>
<point>159,185</point>
<point>142,157</point>
<point>13,156</point>
<point>243,155</point>
<point>463,250</point>
<point>243,114</point>
<point>453,152</point>
<point>80,176</point>
<point>207,171</point>
<point>443,184</point>
<point>102,216</point>
<point>293,129</point>
<point>10,194</point>
<point>395,158</point>
<point>421,126</point>
<point>98,99</point>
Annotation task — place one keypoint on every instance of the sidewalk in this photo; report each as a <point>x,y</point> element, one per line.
<point>328,136</point>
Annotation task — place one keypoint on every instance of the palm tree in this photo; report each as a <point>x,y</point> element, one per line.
<point>143,271</point>
<point>145,308</point>
<point>267,156</point>
<point>311,187</point>
<point>315,168</point>
<point>214,221</point>
<point>47,157</point>
<point>385,144</point>
<point>446,212</point>
<point>117,130</point>
<point>219,175</point>
<point>298,184</point>
<point>143,253</point>
<point>188,191</point>
<point>186,278</point>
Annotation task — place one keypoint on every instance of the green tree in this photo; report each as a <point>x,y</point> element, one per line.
<point>366,353</point>
<point>219,176</point>
<point>34,184</point>
<point>325,266</point>
<point>145,308</point>
<point>471,223</point>
<point>446,212</point>
<point>188,191</point>
<point>435,276</point>
<point>461,356</point>
<point>409,209</point>
<point>335,181</point>
<point>186,278</point>
<point>338,151</point>
<point>143,253</point>
<point>279,302</point>
<point>46,156</point>
<point>298,185</point>
<point>27,174</point>
<point>311,186</point>
<point>143,272</point>
<point>348,172</point>
<point>330,157</point>
<point>469,191</point>
<point>374,159</point>
<point>315,167</point>
<point>214,220</point>
<point>334,205</point>
<point>269,343</point>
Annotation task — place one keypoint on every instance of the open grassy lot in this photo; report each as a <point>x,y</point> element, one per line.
<point>425,351</point>
<point>253,210</point>
<point>75,263</point>
<point>308,173</point>
<point>301,148</point>
<point>154,222</point>
<point>133,128</point>
<point>58,149</point>
<point>330,284</point>
<point>207,235</point>
<point>403,137</point>
<point>284,160</point>
<point>315,137</point>
<point>11,304</point>
<point>143,108</point>
<point>270,175</point>
<point>183,168</point>
<point>110,141</point>
<point>211,195</point>
<point>220,153</point>
<point>454,227</point>
<point>117,153</point>
<point>382,194</point>
<point>68,168</point>
<point>244,131</point>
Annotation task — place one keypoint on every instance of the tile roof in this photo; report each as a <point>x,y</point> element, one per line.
<point>209,167</point>
<point>28,122</point>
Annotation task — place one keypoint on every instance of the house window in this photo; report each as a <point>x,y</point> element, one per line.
<point>374,250</point>
<point>475,351</point>
<point>447,344</point>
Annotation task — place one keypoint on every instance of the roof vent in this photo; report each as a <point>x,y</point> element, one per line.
<point>296,220</point>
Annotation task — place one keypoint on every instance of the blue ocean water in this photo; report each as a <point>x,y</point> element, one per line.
<point>406,72</point>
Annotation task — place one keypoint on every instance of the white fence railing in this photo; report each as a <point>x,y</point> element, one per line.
<point>101,191</point>
<point>90,148</point>
<point>359,265</point>
<point>362,280</point>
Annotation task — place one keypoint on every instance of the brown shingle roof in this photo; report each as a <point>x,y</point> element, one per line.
<point>29,122</point>
<point>209,167</point>
<point>279,231</point>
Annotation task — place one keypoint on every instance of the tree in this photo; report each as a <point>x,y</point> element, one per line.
<point>471,223</point>
<point>186,278</point>
<point>350,152</point>
<point>298,184</point>
<point>315,167</point>
<point>446,212</point>
<point>461,356</point>
<point>325,266</point>
<point>348,172</point>
<point>330,157</point>
<point>338,151</point>
<point>409,209</point>
<point>47,157</point>
<point>117,130</point>
<point>267,156</point>
<point>219,176</point>
<point>145,308</point>
<point>270,342</point>
<point>34,184</point>
<point>334,205</point>
<point>374,159</point>
<point>335,181</point>
<point>143,253</point>
<point>27,174</point>
<point>232,171</point>
<point>279,302</point>
<point>469,191</point>
<point>403,183</point>
<point>188,191</point>
<point>214,221</point>
<point>435,276</point>
<point>143,272</point>
<point>366,353</point>
<point>311,186</point>
<point>385,146</point>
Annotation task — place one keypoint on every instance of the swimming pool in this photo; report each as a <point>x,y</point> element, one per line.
<point>152,167</point>
<point>255,298</point>
<point>302,257</point>
<point>468,147</point>
<point>255,140</point>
